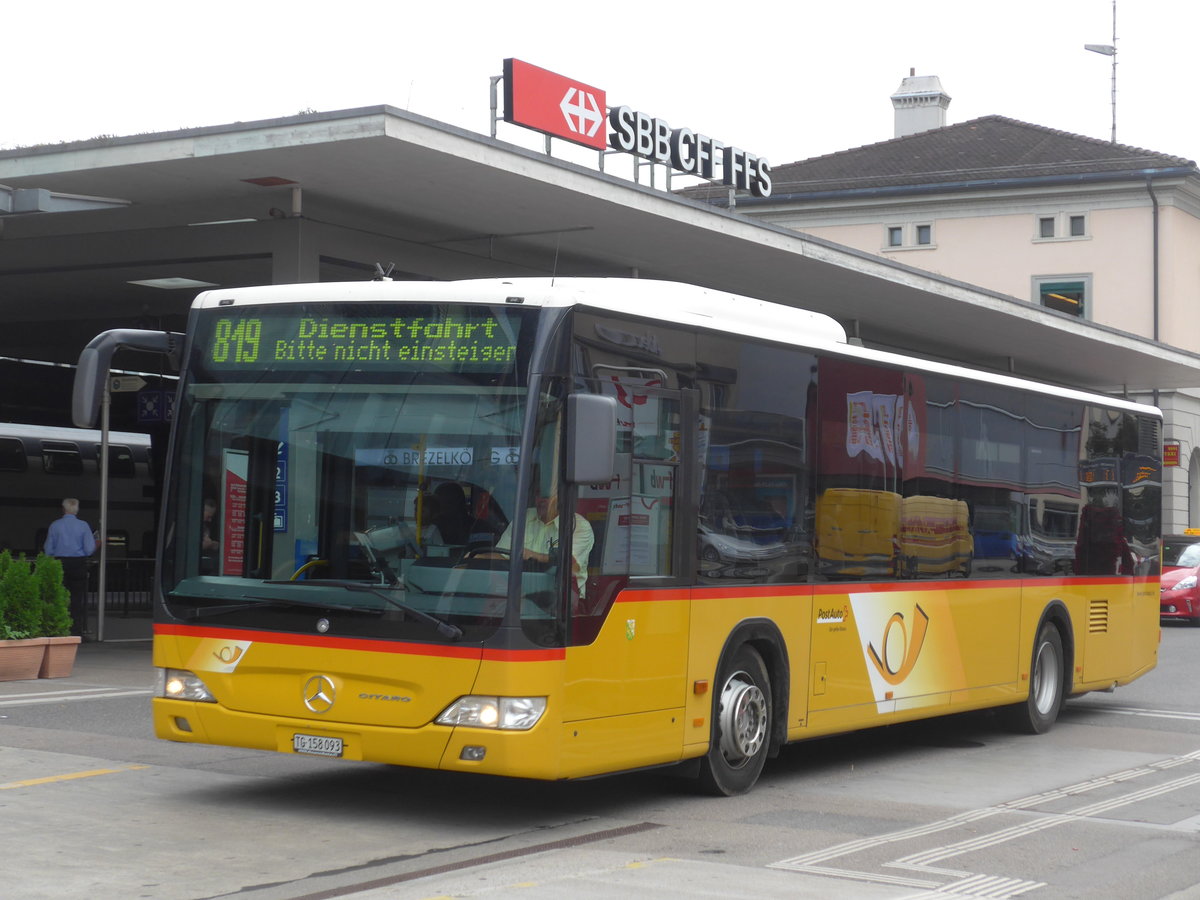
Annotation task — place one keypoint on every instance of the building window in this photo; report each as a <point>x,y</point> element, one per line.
<point>1063,294</point>
<point>1061,227</point>
<point>908,237</point>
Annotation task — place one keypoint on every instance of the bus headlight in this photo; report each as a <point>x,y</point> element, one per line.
<point>179,684</point>
<point>505,713</point>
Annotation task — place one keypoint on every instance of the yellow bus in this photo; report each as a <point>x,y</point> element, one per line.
<point>353,468</point>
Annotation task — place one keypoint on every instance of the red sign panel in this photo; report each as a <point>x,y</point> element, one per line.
<point>554,104</point>
<point>233,531</point>
<point>1170,453</point>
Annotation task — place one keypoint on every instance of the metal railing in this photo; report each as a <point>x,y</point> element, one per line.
<point>128,591</point>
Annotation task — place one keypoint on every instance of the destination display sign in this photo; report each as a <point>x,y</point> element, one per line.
<point>452,339</point>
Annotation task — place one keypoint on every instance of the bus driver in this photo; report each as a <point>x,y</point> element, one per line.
<point>541,539</point>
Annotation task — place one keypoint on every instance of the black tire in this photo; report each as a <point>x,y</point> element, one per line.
<point>1047,686</point>
<point>741,725</point>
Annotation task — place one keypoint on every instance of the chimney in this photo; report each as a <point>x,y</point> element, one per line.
<point>920,104</point>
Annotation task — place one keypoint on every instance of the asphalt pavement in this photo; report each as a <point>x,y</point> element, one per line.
<point>122,658</point>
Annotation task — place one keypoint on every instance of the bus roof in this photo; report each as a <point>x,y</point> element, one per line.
<point>665,301</point>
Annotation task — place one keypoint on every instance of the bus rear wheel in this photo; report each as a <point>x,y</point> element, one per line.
<point>1039,711</point>
<point>741,725</point>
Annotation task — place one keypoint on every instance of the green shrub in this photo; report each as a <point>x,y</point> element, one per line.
<point>54,597</point>
<point>19,599</point>
<point>7,634</point>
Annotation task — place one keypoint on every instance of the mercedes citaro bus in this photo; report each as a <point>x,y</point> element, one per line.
<point>560,528</point>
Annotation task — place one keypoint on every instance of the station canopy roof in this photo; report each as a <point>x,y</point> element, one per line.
<point>326,196</point>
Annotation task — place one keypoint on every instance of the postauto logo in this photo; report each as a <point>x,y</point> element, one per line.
<point>574,111</point>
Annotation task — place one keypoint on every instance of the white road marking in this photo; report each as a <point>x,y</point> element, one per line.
<point>970,884</point>
<point>74,696</point>
<point>1146,713</point>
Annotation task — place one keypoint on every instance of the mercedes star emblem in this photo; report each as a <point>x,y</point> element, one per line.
<point>319,694</point>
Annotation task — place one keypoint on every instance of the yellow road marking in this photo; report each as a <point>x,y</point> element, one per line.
<point>71,776</point>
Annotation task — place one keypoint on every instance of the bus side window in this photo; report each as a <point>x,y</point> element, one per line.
<point>755,504</point>
<point>638,523</point>
<point>656,443</point>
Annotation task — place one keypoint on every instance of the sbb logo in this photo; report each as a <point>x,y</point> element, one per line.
<point>581,112</point>
<point>548,102</point>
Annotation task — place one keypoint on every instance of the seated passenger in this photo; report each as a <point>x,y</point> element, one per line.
<point>451,515</point>
<point>487,520</point>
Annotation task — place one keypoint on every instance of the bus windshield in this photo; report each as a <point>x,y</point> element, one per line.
<point>347,469</point>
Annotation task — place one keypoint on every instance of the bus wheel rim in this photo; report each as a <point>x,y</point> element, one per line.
<point>743,719</point>
<point>1045,678</point>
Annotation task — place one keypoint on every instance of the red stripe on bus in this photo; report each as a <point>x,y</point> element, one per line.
<point>540,655</point>
<point>650,595</point>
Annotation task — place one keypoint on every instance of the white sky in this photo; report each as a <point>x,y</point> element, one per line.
<point>784,79</point>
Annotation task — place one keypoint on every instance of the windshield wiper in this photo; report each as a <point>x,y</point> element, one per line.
<point>444,628</point>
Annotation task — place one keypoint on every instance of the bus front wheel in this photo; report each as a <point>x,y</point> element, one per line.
<point>741,725</point>
<point>1046,685</point>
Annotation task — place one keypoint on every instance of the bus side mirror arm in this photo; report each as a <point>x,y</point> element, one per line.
<point>591,438</point>
<point>92,372</point>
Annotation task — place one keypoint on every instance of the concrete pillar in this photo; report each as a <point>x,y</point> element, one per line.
<point>295,256</point>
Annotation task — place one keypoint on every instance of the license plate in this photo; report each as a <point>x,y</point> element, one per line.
<point>316,745</point>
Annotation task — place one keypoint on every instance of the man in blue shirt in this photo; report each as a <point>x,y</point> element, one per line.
<point>71,541</point>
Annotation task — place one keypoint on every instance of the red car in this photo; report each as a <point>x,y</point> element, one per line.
<point>1180,598</point>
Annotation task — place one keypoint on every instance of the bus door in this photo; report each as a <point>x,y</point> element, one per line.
<point>628,643</point>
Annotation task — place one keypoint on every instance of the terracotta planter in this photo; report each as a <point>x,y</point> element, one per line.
<point>21,660</point>
<point>59,658</point>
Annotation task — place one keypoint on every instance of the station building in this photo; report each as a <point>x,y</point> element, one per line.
<point>123,232</point>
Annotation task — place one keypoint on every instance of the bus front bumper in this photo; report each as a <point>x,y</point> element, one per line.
<point>521,754</point>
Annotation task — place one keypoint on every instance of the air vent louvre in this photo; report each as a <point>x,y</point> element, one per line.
<point>1149,443</point>
<point>1098,617</point>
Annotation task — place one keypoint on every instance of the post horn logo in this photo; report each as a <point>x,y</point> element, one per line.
<point>319,694</point>
<point>910,646</point>
<point>228,655</point>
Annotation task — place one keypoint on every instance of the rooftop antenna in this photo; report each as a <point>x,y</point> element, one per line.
<point>382,274</point>
<point>1110,50</point>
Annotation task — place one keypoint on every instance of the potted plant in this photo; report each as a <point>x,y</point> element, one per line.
<point>55,627</point>
<point>21,646</point>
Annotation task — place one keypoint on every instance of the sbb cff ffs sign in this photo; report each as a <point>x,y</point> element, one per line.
<point>565,108</point>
